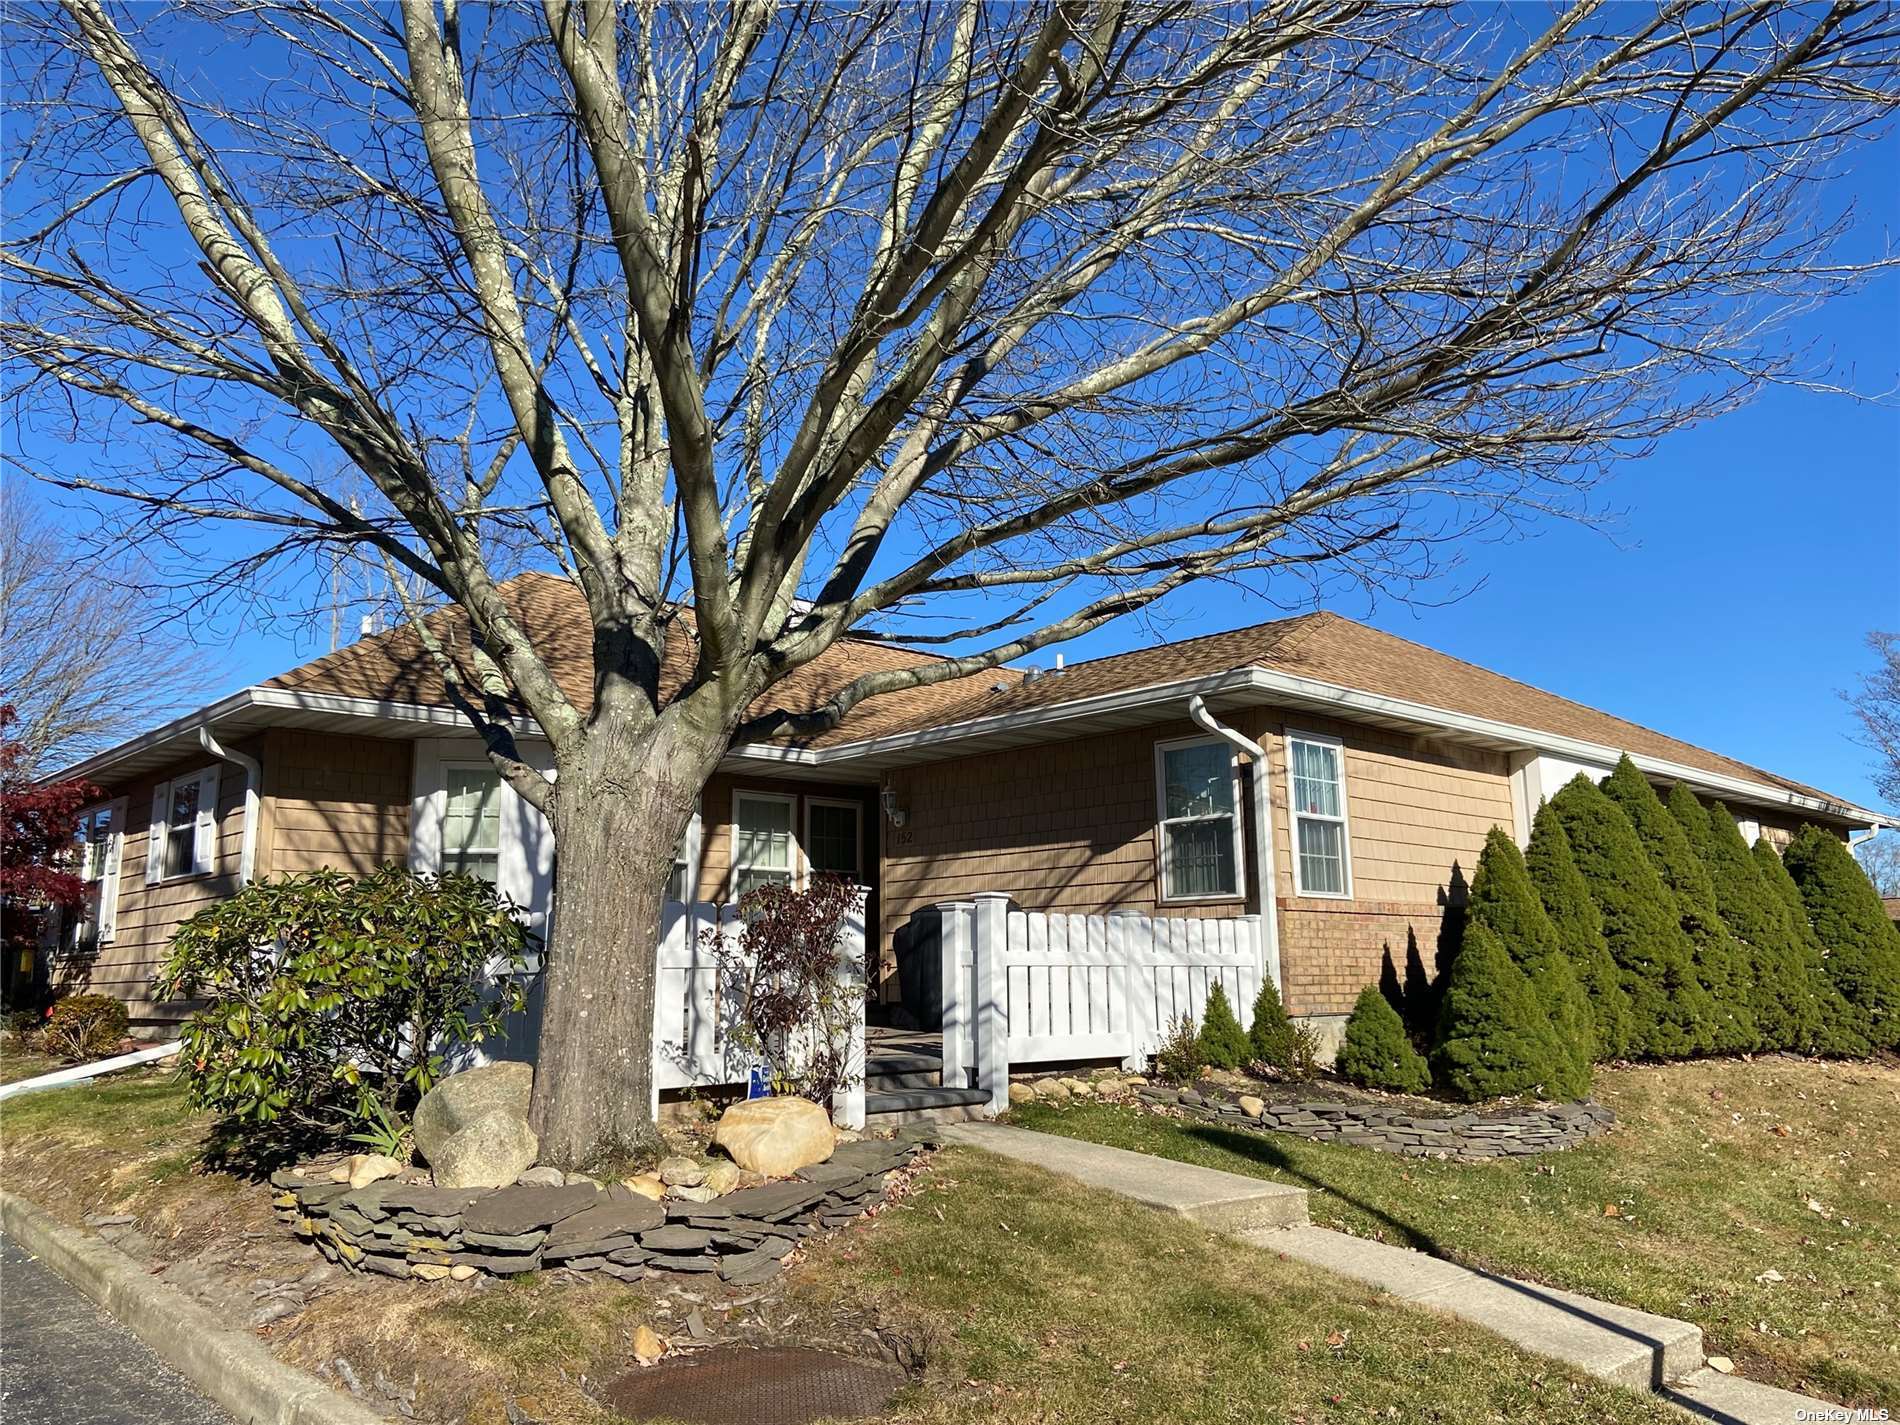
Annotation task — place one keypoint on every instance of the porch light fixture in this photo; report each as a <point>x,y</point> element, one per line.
<point>893,813</point>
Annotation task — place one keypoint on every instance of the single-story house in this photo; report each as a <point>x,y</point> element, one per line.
<point>1123,784</point>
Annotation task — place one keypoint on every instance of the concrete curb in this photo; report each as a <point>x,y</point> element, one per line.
<point>230,1367</point>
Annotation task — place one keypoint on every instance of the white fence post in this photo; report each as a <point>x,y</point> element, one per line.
<point>1127,981</point>
<point>992,997</point>
<point>847,1104</point>
<point>956,943</point>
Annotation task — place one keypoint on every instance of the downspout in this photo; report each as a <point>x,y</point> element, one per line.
<point>253,775</point>
<point>1262,830</point>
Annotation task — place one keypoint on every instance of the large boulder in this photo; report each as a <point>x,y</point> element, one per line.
<point>775,1136</point>
<point>460,1099</point>
<point>491,1152</point>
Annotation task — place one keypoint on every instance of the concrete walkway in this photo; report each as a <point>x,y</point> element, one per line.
<point>1631,1348</point>
<point>1224,1202</point>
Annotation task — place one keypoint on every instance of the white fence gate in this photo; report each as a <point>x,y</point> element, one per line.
<point>692,1039</point>
<point>1026,987</point>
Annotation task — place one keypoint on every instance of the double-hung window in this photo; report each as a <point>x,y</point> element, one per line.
<point>99,838</point>
<point>832,841</point>
<point>183,839</point>
<point>1321,864</point>
<point>471,822</point>
<point>764,848</point>
<point>1199,830</point>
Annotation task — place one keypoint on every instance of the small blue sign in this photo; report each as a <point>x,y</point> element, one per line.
<point>759,1084</point>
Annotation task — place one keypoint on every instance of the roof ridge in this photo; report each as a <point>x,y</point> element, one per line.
<point>1199,638</point>
<point>1548,693</point>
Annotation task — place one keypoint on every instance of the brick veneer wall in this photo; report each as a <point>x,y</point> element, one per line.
<point>1329,951</point>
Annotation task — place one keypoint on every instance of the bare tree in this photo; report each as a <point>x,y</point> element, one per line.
<point>81,660</point>
<point>1876,704</point>
<point>974,324</point>
<point>1879,857</point>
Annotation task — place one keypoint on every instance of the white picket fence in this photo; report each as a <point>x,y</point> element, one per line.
<point>692,1041</point>
<point>1024,987</point>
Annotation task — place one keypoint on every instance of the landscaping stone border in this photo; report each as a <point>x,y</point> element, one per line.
<point>1466,1137</point>
<point>416,1230</point>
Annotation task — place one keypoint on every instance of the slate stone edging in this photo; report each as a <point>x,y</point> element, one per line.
<point>230,1367</point>
<point>414,1230</point>
<point>1465,1137</point>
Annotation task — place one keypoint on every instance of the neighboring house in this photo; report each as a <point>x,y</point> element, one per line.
<point>1092,790</point>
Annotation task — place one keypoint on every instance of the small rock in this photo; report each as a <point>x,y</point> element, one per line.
<point>1052,1091</point>
<point>580,1180</point>
<point>462,1271</point>
<point>1722,1364</point>
<point>367,1168</point>
<point>1252,1105</point>
<point>1108,1088</point>
<point>697,1192</point>
<point>275,1310</point>
<point>681,1172</point>
<point>1021,1093</point>
<point>431,1272</point>
<point>647,1185</point>
<point>648,1345</point>
<point>1081,1088</point>
<point>722,1177</point>
<point>542,1177</point>
<point>340,1173</point>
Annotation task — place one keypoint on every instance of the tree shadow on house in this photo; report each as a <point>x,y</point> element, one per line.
<point>1415,996</point>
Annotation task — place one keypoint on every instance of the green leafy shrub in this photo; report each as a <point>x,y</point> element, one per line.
<point>1493,1037</point>
<point>335,1001</point>
<point>23,1028</point>
<point>1861,945</point>
<point>1670,1012</point>
<point>1178,1060</point>
<point>1503,899</point>
<point>1721,965</point>
<point>84,1027</point>
<point>1376,1051</point>
<point>1270,1036</point>
<point>1224,1043</point>
<point>1790,995</point>
<point>1579,927</point>
<point>1843,1029</point>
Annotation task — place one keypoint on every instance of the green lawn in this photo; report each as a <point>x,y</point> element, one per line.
<point>1038,1301</point>
<point>1757,1199</point>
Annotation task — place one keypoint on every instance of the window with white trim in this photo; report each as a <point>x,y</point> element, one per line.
<point>99,839</point>
<point>833,841</point>
<point>471,821</point>
<point>764,848</point>
<point>183,835</point>
<point>683,882</point>
<point>1317,777</point>
<point>1198,831</point>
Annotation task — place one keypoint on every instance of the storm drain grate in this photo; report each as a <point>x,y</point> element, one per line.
<point>772,1385</point>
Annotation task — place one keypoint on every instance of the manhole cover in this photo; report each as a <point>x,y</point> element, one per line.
<point>772,1385</point>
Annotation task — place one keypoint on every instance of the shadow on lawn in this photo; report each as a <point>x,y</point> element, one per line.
<point>1259,1149</point>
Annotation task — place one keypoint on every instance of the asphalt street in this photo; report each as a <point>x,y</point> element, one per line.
<point>64,1362</point>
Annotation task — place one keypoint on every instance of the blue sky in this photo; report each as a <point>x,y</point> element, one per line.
<point>1727,603</point>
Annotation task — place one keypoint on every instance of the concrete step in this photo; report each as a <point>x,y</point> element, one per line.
<point>1225,1202</point>
<point>886,1108</point>
<point>1731,1400</point>
<point>894,1069</point>
<point>1618,1343</point>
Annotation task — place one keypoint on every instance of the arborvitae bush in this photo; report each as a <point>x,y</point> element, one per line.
<point>1670,1012</point>
<point>1579,926</point>
<point>1493,1037</point>
<point>1786,1008</point>
<point>1270,1037</point>
<point>1861,944</point>
<point>1376,1051</point>
<point>1223,1042</point>
<point>1843,1032</point>
<point>1721,964</point>
<point>1503,899</point>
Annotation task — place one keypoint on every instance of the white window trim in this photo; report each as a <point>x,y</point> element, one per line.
<point>525,867</point>
<point>1294,814</point>
<point>502,808</point>
<point>1162,897</point>
<point>114,868</point>
<point>204,843</point>
<point>857,822</point>
<point>740,794</point>
<point>691,853</point>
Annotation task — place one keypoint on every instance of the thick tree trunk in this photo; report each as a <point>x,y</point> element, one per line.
<point>618,813</point>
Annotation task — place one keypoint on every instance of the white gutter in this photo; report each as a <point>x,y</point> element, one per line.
<point>79,1073</point>
<point>1264,867</point>
<point>253,779</point>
